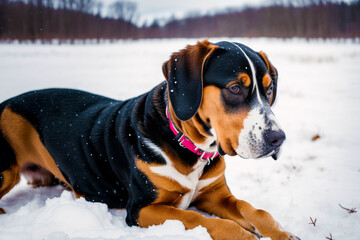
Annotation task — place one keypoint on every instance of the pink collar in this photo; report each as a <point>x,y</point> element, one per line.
<point>187,143</point>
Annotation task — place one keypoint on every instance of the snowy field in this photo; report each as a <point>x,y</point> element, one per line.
<point>319,94</point>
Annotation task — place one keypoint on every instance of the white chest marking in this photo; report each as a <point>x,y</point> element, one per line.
<point>190,181</point>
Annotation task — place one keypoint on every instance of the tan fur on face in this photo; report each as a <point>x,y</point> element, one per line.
<point>191,128</point>
<point>227,126</point>
<point>266,80</point>
<point>245,79</point>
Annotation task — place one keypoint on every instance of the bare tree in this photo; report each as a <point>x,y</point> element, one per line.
<point>122,10</point>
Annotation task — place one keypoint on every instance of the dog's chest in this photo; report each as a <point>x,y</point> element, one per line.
<point>191,182</point>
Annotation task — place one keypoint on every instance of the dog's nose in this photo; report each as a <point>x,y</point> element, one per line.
<point>275,138</point>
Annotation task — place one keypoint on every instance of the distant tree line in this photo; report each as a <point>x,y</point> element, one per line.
<point>69,20</point>
<point>284,19</point>
<point>65,20</point>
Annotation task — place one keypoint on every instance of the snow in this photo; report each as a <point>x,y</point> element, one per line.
<point>318,94</point>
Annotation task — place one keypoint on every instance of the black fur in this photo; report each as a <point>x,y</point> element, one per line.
<point>95,140</point>
<point>185,87</point>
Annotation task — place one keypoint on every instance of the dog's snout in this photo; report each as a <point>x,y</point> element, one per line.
<point>275,138</point>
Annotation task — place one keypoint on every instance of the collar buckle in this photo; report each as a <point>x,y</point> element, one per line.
<point>181,138</point>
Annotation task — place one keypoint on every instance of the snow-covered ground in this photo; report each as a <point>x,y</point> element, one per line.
<point>319,94</point>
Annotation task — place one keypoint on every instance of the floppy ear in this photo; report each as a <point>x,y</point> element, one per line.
<point>184,74</point>
<point>273,74</point>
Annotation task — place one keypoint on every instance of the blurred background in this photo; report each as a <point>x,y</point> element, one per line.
<point>69,20</point>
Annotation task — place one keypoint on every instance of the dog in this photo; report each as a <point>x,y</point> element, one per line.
<point>161,152</point>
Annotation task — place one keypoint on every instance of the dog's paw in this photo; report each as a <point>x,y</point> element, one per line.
<point>293,237</point>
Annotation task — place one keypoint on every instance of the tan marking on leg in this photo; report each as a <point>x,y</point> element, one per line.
<point>215,200</point>
<point>25,141</point>
<point>219,229</point>
<point>262,220</point>
<point>77,195</point>
<point>11,177</point>
<point>219,201</point>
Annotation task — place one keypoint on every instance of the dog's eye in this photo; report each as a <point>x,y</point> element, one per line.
<point>235,89</point>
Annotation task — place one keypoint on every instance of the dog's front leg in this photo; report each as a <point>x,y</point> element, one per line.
<point>219,201</point>
<point>219,229</point>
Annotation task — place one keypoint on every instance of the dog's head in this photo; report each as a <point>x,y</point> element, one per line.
<point>220,97</point>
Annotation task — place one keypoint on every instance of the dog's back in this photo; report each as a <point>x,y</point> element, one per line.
<point>52,127</point>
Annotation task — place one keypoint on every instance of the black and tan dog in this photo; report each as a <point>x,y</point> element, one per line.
<point>158,153</point>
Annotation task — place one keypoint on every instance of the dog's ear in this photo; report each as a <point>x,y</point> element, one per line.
<point>273,74</point>
<point>184,74</point>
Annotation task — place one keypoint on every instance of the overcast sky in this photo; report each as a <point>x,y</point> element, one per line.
<point>150,9</point>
